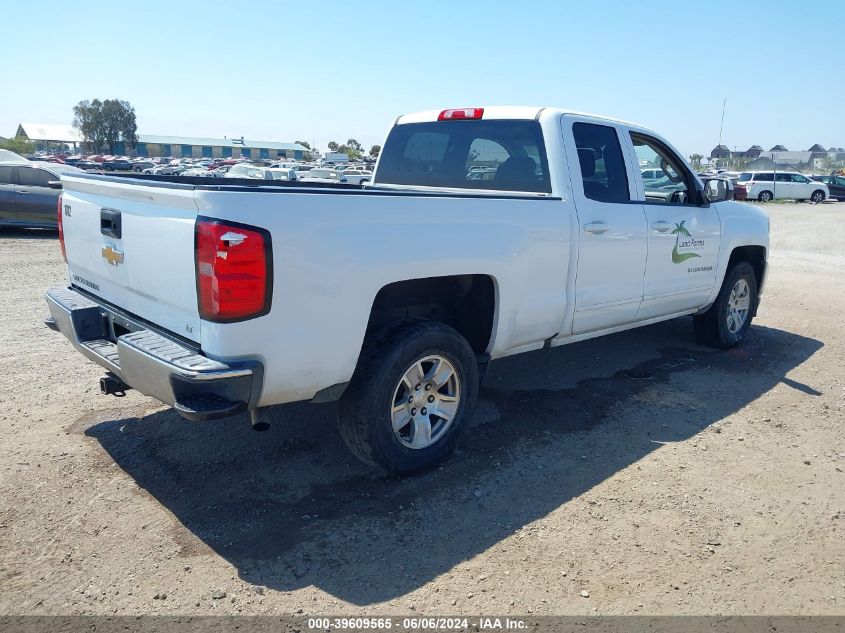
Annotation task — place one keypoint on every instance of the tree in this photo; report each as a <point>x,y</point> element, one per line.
<point>106,123</point>
<point>354,145</point>
<point>375,150</point>
<point>696,159</point>
<point>18,146</point>
<point>333,146</point>
<point>304,144</point>
<point>88,119</point>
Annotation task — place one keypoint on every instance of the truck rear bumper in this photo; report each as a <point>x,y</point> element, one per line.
<point>198,387</point>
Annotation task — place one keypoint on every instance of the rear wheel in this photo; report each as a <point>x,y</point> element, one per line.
<point>411,394</point>
<point>765,196</point>
<point>724,325</point>
<point>818,196</point>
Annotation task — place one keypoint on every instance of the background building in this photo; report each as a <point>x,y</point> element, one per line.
<point>44,135</point>
<point>197,147</point>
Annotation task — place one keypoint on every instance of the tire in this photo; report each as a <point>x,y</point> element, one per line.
<point>765,196</point>
<point>378,398</point>
<point>715,328</point>
<point>818,196</point>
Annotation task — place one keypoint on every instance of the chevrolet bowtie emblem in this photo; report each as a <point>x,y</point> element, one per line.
<point>112,256</point>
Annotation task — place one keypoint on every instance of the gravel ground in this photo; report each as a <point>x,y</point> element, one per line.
<point>637,473</point>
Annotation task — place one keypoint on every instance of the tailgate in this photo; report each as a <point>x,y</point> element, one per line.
<point>132,244</point>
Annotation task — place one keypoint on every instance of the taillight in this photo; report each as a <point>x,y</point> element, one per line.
<point>461,113</point>
<point>61,227</point>
<point>234,268</point>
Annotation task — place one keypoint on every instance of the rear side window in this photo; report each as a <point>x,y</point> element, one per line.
<point>767,177</point>
<point>502,155</point>
<point>603,172</point>
<point>34,177</point>
<point>5,175</point>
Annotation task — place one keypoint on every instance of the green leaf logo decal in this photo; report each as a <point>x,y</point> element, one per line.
<point>679,230</point>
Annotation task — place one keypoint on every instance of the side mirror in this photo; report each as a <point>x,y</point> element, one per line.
<point>55,184</point>
<point>718,189</point>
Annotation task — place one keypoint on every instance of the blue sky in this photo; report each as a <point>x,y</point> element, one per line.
<point>326,71</point>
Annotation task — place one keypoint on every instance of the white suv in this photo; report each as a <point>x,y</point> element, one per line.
<point>766,185</point>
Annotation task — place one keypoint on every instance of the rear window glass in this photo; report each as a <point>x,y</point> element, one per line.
<point>502,155</point>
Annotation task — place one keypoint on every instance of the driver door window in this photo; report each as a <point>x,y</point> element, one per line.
<point>665,178</point>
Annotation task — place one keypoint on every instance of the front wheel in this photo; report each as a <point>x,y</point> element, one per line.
<point>818,196</point>
<point>411,394</point>
<point>724,325</point>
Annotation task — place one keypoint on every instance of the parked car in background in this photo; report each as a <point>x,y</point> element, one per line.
<point>245,170</point>
<point>199,170</point>
<point>782,185</point>
<point>652,173</point>
<point>321,174</point>
<point>835,185</point>
<point>141,165</point>
<point>29,193</point>
<point>84,163</point>
<point>117,164</point>
<point>165,170</point>
<point>356,176</point>
<point>282,173</point>
<point>301,170</point>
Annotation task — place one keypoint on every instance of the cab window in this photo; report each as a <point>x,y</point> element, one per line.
<point>31,177</point>
<point>603,174</point>
<point>6,176</point>
<point>674,183</point>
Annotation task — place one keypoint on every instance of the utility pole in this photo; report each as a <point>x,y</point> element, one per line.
<point>722,124</point>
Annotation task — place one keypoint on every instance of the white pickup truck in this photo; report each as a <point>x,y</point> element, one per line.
<point>485,232</point>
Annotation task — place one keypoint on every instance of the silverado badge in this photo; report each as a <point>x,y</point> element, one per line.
<point>112,256</point>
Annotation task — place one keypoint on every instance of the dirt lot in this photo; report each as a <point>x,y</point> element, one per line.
<point>658,476</point>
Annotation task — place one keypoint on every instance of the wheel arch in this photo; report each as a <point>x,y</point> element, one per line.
<point>755,255</point>
<point>468,303</point>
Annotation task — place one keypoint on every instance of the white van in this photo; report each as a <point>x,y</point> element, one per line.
<point>766,185</point>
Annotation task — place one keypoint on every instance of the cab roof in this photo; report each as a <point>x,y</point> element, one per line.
<point>507,112</point>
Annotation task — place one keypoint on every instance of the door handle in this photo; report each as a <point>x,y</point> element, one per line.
<point>661,226</point>
<point>596,227</point>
